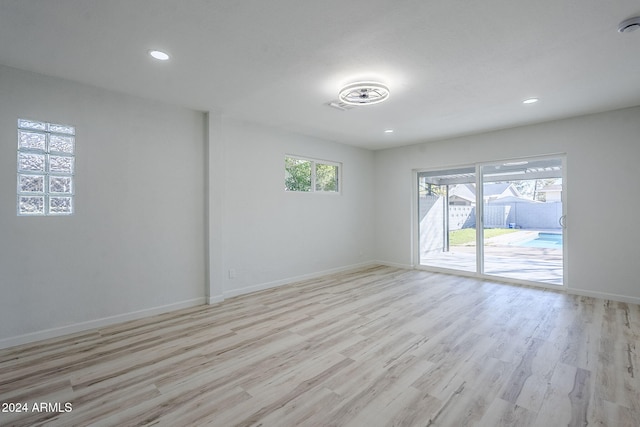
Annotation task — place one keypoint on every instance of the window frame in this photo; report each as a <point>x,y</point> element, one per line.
<point>314,162</point>
<point>52,143</point>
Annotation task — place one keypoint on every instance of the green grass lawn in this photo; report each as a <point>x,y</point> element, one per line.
<point>468,235</point>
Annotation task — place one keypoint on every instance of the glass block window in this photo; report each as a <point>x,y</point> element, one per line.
<point>46,163</point>
<point>311,175</point>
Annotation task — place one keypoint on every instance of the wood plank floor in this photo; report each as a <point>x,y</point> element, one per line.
<point>376,347</point>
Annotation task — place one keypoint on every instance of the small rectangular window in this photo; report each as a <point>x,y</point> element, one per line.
<point>46,165</point>
<point>326,177</point>
<point>310,175</point>
<point>297,175</point>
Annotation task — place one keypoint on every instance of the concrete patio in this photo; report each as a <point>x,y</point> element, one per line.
<point>503,258</point>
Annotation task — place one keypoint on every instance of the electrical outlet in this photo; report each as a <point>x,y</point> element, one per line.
<point>232,273</point>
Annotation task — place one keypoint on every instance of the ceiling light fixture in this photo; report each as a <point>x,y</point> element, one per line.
<point>530,101</point>
<point>388,131</point>
<point>364,93</point>
<point>159,55</point>
<point>629,25</point>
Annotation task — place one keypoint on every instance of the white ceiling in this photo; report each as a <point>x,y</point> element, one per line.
<point>454,67</point>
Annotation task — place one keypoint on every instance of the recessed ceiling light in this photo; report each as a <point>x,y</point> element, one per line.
<point>530,101</point>
<point>388,131</point>
<point>159,55</point>
<point>364,93</point>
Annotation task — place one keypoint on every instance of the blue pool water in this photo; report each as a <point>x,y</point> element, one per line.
<point>544,240</point>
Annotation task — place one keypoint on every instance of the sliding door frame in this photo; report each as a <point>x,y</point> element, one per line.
<point>479,273</point>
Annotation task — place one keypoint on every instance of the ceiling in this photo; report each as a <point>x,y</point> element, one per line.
<point>453,67</point>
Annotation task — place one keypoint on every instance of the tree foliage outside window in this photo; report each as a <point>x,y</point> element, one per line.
<point>310,175</point>
<point>326,177</point>
<point>297,174</point>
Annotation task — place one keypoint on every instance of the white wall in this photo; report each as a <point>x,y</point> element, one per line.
<point>603,203</point>
<point>269,236</point>
<point>135,245</point>
<point>169,200</point>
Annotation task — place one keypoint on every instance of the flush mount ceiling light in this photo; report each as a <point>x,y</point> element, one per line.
<point>629,25</point>
<point>364,93</point>
<point>159,55</point>
<point>530,101</point>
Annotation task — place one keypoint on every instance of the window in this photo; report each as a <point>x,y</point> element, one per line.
<point>46,164</point>
<point>309,175</point>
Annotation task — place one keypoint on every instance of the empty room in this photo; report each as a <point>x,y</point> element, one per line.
<point>296,213</point>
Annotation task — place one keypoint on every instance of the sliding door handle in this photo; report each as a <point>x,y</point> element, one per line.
<point>563,221</point>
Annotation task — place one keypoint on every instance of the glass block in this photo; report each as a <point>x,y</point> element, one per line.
<point>61,144</point>
<point>60,184</point>
<point>30,162</point>
<point>31,183</point>
<point>60,205</point>
<point>31,140</point>
<point>31,205</point>
<point>61,164</point>
<point>69,130</point>
<point>30,124</point>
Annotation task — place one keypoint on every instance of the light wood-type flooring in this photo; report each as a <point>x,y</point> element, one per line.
<point>379,346</point>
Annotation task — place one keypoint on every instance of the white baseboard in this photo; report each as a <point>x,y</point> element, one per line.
<point>269,285</point>
<point>107,321</point>
<point>603,295</point>
<point>395,265</point>
<point>97,323</point>
<point>566,289</point>
<point>215,299</point>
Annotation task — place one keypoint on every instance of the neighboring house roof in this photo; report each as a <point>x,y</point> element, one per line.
<point>511,199</point>
<point>499,189</point>
<point>464,191</point>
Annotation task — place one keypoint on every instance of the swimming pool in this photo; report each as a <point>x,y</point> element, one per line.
<point>544,240</point>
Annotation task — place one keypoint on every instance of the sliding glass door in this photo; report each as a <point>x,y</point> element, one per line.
<point>501,219</point>
<point>522,221</point>
<point>446,214</point>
